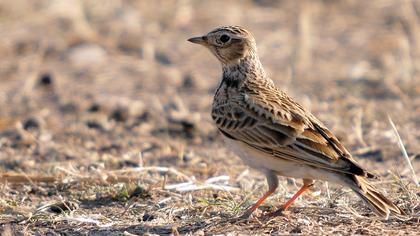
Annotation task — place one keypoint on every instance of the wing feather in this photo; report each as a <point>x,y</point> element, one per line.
<point>270,121</point>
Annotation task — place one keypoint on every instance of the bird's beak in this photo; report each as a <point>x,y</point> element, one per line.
<point>199,40</point>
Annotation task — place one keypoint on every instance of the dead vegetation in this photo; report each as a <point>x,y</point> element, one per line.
<point>105,127</point>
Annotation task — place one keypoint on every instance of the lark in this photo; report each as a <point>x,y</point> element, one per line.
<point>273,133</point>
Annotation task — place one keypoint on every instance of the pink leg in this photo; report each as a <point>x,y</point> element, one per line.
<point>306,185</point>
<point>273,183</point>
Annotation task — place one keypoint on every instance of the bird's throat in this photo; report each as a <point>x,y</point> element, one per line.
<point>247,68</point>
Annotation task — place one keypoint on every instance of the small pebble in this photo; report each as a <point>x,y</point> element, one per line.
<point>94,125</point>
<point>119,115</point>
<point>188,82</point>
<point>94,108</point>
<point>148,217</point>
<point>86,55</point>
<point>31,124</point>
<point>141,192</point>
<point>45,79</point>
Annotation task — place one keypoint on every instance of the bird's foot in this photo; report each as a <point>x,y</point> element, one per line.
<point>243,218</point>
<point>270,215</point>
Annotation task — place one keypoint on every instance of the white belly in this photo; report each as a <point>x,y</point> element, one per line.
<point>263,162</point>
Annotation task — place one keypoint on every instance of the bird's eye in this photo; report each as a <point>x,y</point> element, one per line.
<point>224,38</point>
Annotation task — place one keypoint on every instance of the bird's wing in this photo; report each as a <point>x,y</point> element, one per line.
<point>270,121</point>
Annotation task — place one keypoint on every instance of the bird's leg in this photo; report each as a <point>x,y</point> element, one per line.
<point>273,183</point>
<point>307,184</point>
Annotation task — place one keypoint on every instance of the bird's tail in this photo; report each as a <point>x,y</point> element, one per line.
<point>381,205</point>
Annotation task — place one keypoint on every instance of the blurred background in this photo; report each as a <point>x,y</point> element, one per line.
<point>62,62</point>
<point>91,84</point>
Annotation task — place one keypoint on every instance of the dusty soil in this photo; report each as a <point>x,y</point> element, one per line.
<point>105,125</point>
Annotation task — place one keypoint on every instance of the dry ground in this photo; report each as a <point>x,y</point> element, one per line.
<point>105,126</point>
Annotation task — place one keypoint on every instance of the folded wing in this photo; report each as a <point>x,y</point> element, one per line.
<point>273,123</point>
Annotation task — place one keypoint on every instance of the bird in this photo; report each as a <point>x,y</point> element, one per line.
<point>273,133</point>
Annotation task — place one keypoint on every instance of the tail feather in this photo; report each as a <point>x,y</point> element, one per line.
<point>374,199</point>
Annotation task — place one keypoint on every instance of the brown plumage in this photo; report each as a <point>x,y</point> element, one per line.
<point>273,133</point>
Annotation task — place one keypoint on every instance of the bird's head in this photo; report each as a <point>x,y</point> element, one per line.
<point>228,43</point>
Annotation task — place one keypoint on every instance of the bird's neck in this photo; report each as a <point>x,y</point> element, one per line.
<point>247,68</point>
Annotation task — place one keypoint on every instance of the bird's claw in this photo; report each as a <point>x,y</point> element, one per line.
<point>279,212</point>
<point>243,218</point>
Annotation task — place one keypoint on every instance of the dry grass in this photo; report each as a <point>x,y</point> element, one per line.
<point>105,126</point>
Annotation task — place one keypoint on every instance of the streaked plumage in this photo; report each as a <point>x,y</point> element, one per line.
<point>273,133</point>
